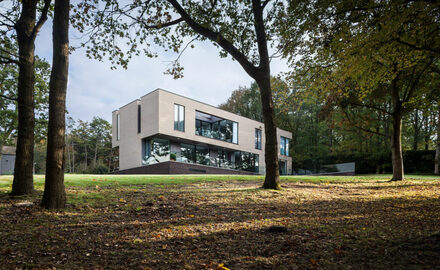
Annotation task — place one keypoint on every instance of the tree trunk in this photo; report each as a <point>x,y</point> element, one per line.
<point>416,130</point>
<point>54,196</point>
<point>427,133</point>
<point>437,156</point>
<point>85,150</point>
<point>23,182</point>
<point>96,153</point>
<point>272,179</point>
<point>260,73</point>
<point>69,157</point>
<point>73,157</point>
<point>396,141</point>
<point>437,148</point>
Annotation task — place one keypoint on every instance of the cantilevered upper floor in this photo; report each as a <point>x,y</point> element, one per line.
<point>162,115</point>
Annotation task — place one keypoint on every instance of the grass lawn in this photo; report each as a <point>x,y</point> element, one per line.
<point>219,222</point>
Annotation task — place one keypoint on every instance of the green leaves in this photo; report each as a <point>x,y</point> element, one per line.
<point>119,31</point>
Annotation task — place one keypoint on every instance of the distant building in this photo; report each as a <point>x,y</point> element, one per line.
<point>165,133</point>
<point>7,160</point>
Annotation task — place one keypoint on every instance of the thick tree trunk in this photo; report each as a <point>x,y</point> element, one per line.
<point>54,196</point>
<point>437,147</point>
<point>23,182</point>
<point>396,141</point>
<point>260,73</point>
<point>272,179</point>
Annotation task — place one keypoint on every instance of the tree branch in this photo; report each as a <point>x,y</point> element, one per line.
<point>419,48</point>
<point>147,26</point>
<point>265,4</point>
<point>370,107</point>
<point>435,69</point>
<point>217,38</point>
<point>257,10</point>
<point>41,20</point>
<point>361,128</point>
<point>7,60</point>
<point>8,19</point>
<point>6,97</point>
<point>409,94</point>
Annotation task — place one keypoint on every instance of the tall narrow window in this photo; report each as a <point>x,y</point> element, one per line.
<point>257,138</point>
<point>179,117</point>
<point>118,127</point>
<point>235,132</point>
<point>284,146</point>
<point>139,118</point>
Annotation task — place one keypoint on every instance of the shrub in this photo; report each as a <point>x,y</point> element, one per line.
<point>100,169</point>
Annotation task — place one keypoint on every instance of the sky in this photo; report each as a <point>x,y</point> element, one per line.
<point>96,90</point>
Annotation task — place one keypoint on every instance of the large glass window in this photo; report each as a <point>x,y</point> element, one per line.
<point>187,153</point>
<point>282,167</point>
<point>202,155</point>
<point>155,151</point>
<point>246,161</point>
<point>216,128</point>
<point>257,138</point>
<point>179,117</point>
<point>284,146</point>
<point>225,159</point>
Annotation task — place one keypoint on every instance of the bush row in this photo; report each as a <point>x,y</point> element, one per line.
<point>418,162</point>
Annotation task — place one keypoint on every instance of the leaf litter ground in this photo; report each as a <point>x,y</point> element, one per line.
<point>358,224</point>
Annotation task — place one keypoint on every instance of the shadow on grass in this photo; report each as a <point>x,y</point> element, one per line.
<point>190,230</point>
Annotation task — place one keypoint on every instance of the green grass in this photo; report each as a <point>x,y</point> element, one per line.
<point>87,180</point>
<point>205,221</point>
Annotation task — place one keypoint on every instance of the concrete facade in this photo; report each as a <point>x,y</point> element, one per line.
<point>157,119</point>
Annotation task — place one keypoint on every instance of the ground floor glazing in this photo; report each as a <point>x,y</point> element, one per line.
<point>156,149</point>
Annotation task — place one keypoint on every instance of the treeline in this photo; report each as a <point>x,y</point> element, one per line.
<point>325,133</point>
<point>88,148</point>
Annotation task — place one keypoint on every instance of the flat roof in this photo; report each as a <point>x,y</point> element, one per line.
<point>160,89</point>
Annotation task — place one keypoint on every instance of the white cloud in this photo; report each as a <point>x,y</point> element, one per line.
<point>95,90</point>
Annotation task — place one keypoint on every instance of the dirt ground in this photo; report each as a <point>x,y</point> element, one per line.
<point>225,225</point>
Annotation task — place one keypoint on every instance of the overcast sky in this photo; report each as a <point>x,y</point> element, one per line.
<point>96,90</point>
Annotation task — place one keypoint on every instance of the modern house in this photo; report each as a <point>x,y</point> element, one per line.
<point>165,133</point>
<point>7,159</point>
